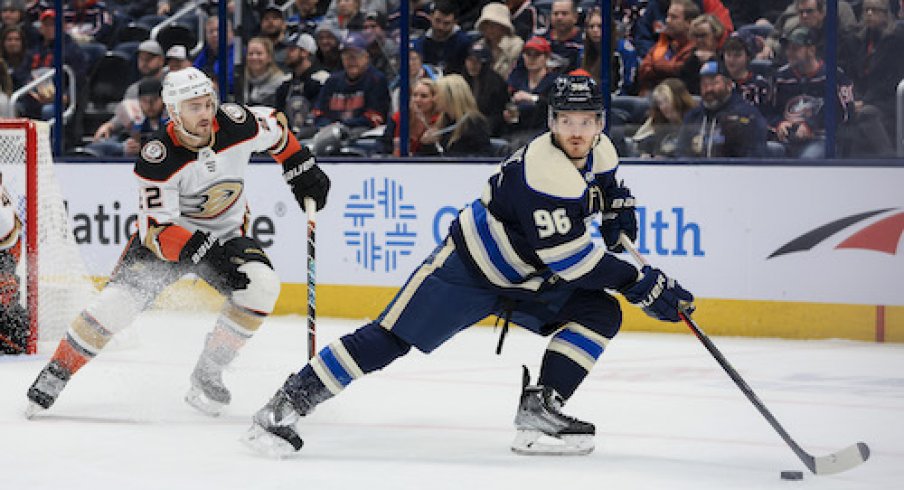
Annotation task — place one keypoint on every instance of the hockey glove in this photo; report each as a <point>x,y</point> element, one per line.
<point>306,179</point>
<point>659,296</point>
<point>212,261</point>
<point>618,216</point>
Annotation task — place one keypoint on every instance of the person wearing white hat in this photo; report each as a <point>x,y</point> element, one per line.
<point>495,25</point>
<point>177,58</point>
<point>296,96</point>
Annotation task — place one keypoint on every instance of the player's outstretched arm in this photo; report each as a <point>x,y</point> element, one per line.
<point>300,169</point>
<point>659,296</point>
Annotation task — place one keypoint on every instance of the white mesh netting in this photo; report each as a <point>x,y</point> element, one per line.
<point>63,284</point>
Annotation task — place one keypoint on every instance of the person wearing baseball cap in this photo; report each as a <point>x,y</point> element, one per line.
<point>796,112</point>
<point>296,96</point>
<point>529,85</point>
<point>177,58</point>
<point>724,125</point>
<point>490,89</point>
<point>273,27</point>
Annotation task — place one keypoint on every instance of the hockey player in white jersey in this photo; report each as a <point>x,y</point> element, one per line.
<point>522,251</point>
<point>192,219</point>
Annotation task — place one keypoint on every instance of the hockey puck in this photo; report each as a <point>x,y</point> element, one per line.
<point>792,475</point>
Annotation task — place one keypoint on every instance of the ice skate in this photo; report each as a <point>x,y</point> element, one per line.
<point>46,388</point>
<point>272,431</point>
<point>543,429</point>
<point>207,393</point>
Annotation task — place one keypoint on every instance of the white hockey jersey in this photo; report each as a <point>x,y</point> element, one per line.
<point>202,189</point>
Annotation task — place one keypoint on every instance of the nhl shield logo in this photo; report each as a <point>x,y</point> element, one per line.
<point>154,151</point>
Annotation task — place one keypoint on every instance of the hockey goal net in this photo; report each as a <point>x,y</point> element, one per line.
<point>54,282</point>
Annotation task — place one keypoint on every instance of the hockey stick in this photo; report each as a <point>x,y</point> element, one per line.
<point>837,462</point>
<point>311,209</point>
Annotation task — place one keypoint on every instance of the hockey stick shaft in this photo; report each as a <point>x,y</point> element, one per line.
<point>833,463</point>
<point>311,210</point>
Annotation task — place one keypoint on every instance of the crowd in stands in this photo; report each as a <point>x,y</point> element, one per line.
<point>689,78</point>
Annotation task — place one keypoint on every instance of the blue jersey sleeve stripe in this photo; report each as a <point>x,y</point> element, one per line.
<point>584,266</point>
<point>568,262</point>
<point>492,248</point>
<point>565,250</point>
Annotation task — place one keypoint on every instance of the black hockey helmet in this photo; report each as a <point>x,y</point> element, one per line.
<point>575,93</point>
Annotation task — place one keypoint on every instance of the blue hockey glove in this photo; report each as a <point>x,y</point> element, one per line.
<point>660,296</point>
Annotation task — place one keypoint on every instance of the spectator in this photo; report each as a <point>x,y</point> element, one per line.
<point>306,17</point>
<point>13,50</point>
<point>273,27</point>
<point>564,35</point>
<point>797,108</point>
<point>527,115</point>
<point>150,64</point>
<point>6,90</point>
<point>647,30</point>
<point>356,97</point>
<point>347,17</point>
<point>384,51</point>
<point>177,58</point>
<point>489,89</point>
<point>737,54</point>
<point>420,15</point>
<point>624,58</point>
<point>207,58</point>
<point>706,32</point>
<point>297,96</point>
<point>416,70</point>
<point>39,103</point>
<point>328,49</point>
<point>12,14</point>
<point>524,18</point>
<point>874,64</point>
<point>670,102</point>
<point>674,47</point>
<point>461,129</point>
<point>422,116</point>
<point>128,140</point>
<point>499,35</point>
<point>806,13</point>
<point>444,44</point>
<point>90,24</point>
<point>724,125</point>
<point>262,76</point>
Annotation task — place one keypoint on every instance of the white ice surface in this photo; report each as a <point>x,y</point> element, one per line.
<point>667,417</point>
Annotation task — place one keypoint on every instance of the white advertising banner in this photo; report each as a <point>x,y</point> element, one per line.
<point>815,234</point>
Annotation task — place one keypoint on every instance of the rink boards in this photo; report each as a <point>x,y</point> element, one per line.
<point>811,252</point>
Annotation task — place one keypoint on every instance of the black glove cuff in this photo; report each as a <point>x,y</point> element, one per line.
<point>297,163</point>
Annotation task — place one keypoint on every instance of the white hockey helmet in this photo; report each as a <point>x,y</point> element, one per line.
<point>185,84</point>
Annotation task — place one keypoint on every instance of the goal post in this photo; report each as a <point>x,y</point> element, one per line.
<point>54,283</point>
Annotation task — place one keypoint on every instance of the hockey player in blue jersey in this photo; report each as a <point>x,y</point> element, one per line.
<point>522,251</point>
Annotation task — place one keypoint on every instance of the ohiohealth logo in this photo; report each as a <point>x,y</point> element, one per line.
<point>380,224</point>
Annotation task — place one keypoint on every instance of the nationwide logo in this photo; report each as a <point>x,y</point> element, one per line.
<point>881,236</point>
<point>380,224</point>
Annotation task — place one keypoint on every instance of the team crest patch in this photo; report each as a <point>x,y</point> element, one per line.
<point>154,151</point>
<point>234,112</point>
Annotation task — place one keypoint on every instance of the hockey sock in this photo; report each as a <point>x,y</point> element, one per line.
<point>85,338</point>
<point>234,327</point>
<point>368,349</point>
<point>571,354</point>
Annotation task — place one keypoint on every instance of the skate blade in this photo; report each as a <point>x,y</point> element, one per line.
<point>264,443</point>
<point>33,409</point>
<point>196,398</point>
<point>536,443</point>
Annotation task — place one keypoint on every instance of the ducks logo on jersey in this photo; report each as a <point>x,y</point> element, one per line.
<point>213,201</point>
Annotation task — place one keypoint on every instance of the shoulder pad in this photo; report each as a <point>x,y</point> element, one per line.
<point>159,158</point>
<point>237,123</point>
<point>605,157</point>
<point>547,170</point>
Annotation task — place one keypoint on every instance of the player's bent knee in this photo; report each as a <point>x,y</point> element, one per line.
<point>262,291</point>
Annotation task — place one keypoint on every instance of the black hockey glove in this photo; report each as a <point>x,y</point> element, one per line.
<point>307,180</point>
<point>618,215</point>
<point>213,261</point>
<point>659,296</point>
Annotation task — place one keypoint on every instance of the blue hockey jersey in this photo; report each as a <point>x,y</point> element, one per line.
<point>531,225</point>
